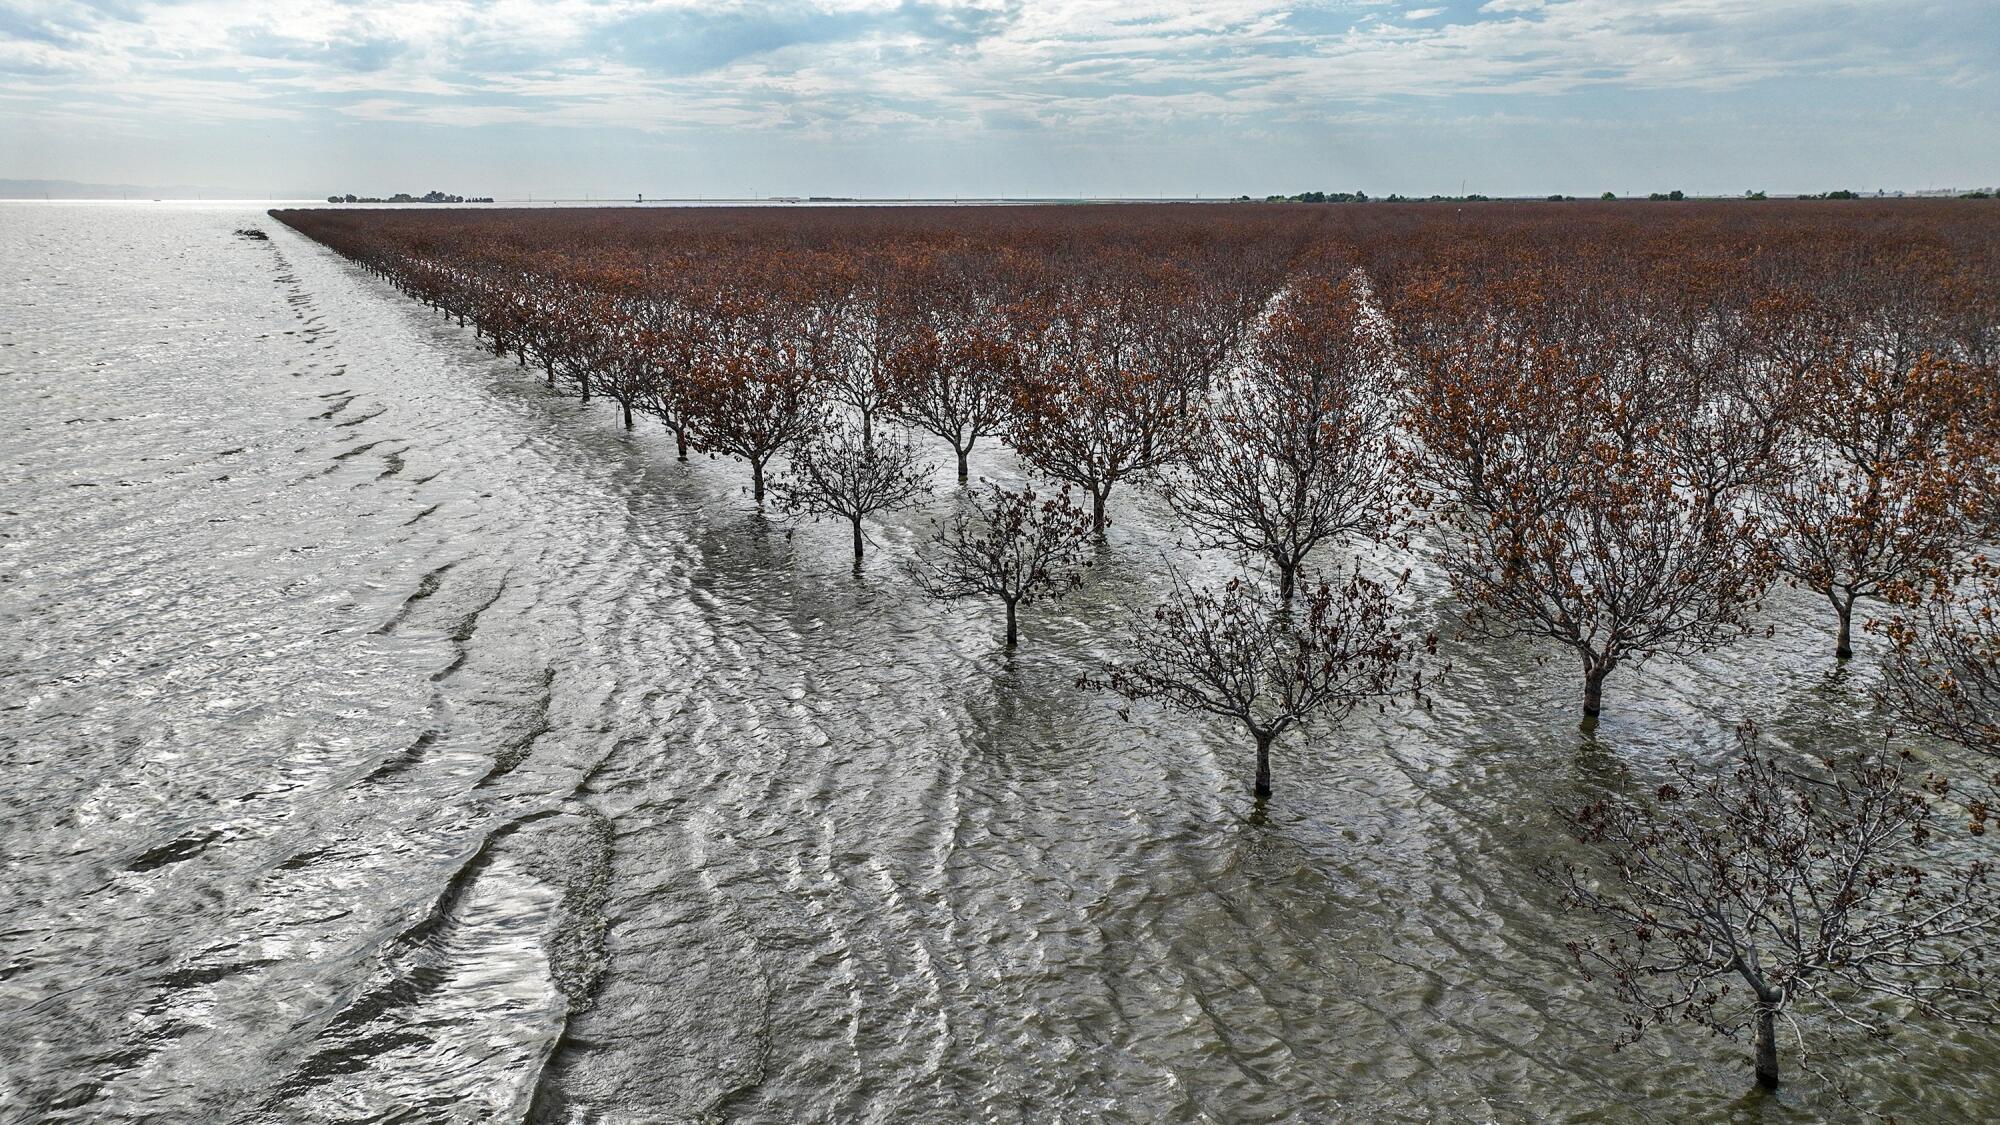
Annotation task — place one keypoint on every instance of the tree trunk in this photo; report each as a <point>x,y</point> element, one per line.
<point>1287,578</point>
<point>584,381</point>
<point>757,481</point>
<point>1767,1046</point>
<point>549,369</point>
<point>857,539</point>
<point>681,443</point>
<point>628,414</point>
<point>1593,686</point>
<point>1012,633</point>
<point>1843,645</point>
<point>1262,789</point>
<point>964,472</point>
<point>868,428</point>
<point>1097,512</point>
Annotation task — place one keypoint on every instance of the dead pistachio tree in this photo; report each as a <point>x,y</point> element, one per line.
<point>1743,900</point>
<point>626,373</point>
<point>675,337</point>
<point>1093,405</point>
<point>1730,399</point>
<point>1294,452</point>
<point>868,326</point>
<point>1018,546</point>
<point>586,342</point>
<point>950,358</point>
<point>847,472</point>
<point>1889,473</point>
<point>1944,655</point>
<point>1546,434</point>
<point>1245,655</point>
<point>761,390</point>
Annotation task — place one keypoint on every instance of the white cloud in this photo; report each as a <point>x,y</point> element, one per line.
<point>861,64</point>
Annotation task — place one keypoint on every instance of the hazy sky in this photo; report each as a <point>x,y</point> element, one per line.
<point>1042,97</point>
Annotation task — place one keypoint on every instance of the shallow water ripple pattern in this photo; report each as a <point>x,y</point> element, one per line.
<point>387,740</point>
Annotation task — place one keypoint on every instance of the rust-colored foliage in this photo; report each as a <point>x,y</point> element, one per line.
<point>1888,462</point>
<point>1619,418</point>
<point>1616,423</point>
<point>1572,454</point>
<point>761,387</point>
<point>949,370</point>
<point>1291,453</point>
<point>1102,389</point>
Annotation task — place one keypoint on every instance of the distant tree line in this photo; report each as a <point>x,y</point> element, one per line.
<point>1320,197</point>
<point>405,197</point>
<point>1363,197</point>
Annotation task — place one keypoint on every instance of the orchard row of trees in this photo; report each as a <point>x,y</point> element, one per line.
<point>1612,432</point>
<point>1617,443</point>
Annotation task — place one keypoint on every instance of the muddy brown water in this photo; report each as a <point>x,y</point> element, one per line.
<point>388,740</point>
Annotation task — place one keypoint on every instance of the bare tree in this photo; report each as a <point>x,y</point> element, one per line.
<point>1294,453</point>
<point>1944,655</point>
<point>1019,547</point>
<point>1244,655</point>
<point>842,472</point>
<point>1734,900</point>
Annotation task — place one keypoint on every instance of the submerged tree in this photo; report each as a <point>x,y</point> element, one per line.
<point>1271,666</point>
<point>1294,453</point>
<point>1018,547</point>
<point>1551,437</point>
<point>1629,565</point>
<point>1890,474</point>
<point>868,326</point>
<point>1944,655</point>
<point>845,471</point>
<point>625,372</point>
<point>762,391</point>
<point>578,341</point>
<point>675,338</point>
<point>1738,900</point>
<point>1093,404</point>
<point>948,367</point>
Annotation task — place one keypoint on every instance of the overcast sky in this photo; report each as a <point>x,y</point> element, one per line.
<point>1004,97</point>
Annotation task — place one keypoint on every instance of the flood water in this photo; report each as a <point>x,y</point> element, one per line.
<point>386,739</point>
